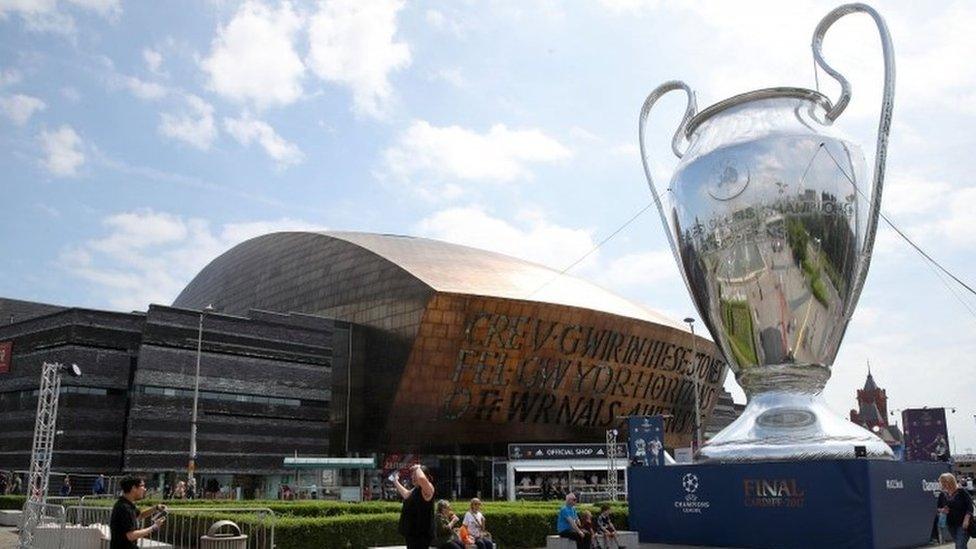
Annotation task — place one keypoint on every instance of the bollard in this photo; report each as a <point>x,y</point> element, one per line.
<point>215,539</point>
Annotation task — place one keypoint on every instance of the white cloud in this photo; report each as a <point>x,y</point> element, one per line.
<point>253,58</point>
<point>630,6</point>
<point>148,256</point>
<point>153,59</point>
<point>351,42</point>
<point>62,151</point>
<point>424,152</point>
<point>452,77</point>
<point>105,8</point>
<point>907,193</point>
<point>955,221</point>
<point>937,72</point>
<point>639,269</point>
<point>19,108</point>
<point>195,126</point>
<point>144,89</point>
<point>435,18</point>
<point>247,130</point>
<point>49,15</point>
<point>71,94</point>
<point>439,20</point>
<point>534,238</point>
<point>39,15</point>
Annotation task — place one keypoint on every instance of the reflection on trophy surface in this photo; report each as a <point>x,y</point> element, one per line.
<point>772,218</point>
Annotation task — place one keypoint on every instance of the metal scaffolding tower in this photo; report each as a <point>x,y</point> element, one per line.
<point>45,426</point>
<point>612,464</point>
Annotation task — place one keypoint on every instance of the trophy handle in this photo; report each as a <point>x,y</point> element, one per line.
<point>690,110</point>
<point>884,123</point>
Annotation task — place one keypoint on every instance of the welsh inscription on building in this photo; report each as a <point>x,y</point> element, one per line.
<point>524,369</point>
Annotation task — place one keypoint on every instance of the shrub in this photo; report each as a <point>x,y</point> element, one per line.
<point>12,502</point>
<point>338,532</point>
<point>338,525</point>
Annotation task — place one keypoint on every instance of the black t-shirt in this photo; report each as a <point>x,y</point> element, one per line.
<point>125,518</point>
<point>959,505</point>
<point>417,516</point>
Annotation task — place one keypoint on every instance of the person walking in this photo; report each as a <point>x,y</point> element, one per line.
<point>475,521</point>
<point>958,510</point>
<point>417,514</point>
<point>124,522</point>
<point>568,526</point>
<point>65,487</point>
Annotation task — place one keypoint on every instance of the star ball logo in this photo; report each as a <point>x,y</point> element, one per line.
<point>692,503</point>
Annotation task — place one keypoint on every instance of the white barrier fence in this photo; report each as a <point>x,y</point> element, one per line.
<point>87,527</point>
<point>42,525</point>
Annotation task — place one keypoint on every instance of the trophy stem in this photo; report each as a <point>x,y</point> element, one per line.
<point>799,379</point>
<point>778,425</point>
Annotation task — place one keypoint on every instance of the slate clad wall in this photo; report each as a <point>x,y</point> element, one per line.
<point>272,373</point>
<point>318,274</point>
<point>256,360</point>
<point>105,345</point>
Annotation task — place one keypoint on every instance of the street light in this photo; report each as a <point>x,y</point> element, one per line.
<point>191,468</point>
<point>694,376</point>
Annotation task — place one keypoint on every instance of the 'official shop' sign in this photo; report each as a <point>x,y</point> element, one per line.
<point>563,451</point>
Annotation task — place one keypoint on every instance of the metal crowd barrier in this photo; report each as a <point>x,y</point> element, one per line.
<point>43,526</point>
<point>183,528</point>
<point>81,483</point>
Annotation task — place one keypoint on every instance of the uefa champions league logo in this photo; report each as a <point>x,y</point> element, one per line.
<point>691,503</point>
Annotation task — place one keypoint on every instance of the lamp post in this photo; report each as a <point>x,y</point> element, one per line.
<point>694,376</point>
<point>191,468</point>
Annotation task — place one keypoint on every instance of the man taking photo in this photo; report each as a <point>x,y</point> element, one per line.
<point>124,523</point>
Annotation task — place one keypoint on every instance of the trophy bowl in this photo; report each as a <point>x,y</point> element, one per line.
<point>771,218</point>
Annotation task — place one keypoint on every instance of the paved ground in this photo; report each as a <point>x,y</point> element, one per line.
<point>8,537</point>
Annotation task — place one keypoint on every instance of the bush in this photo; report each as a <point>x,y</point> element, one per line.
<point>332,524</point>
<point>12,502</point>
<point>516,525</point>
<point>338,532</point>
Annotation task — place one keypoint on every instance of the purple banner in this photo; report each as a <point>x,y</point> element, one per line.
<point>926,435</point>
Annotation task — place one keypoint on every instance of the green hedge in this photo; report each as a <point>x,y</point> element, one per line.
<point>518,525</point>
<point>331,524</point>
<point>339,532</point>
<point>12,502</point>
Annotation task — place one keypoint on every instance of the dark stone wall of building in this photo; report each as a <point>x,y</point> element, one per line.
<point>265,392</point>
<point>266,389</point>
<point>321,275</point>
<point>92,408</point>
<point>16,310</point>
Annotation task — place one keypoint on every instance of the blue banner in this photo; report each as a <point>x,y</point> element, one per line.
<point>926,434</point>
<point>813,504</point>
<point>646,440</point>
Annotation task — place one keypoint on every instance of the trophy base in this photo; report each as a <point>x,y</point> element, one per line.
<point>790,427</point>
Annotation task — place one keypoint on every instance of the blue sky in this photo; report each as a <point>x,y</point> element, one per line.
<point>141,139</point>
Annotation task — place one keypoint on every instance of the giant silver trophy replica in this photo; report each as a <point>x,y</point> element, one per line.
<point>772,221</point>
